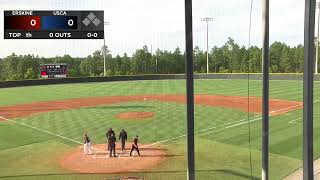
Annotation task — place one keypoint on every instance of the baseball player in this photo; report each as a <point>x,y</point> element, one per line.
<point>112,145</point>
<point>135,145</point>
<point>87,144</point>
<point>108,135</point>
<point>123,137</point>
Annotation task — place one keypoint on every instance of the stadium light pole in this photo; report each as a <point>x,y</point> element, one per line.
<point>207,19</point>
<point>151,50</point>
<point>156,63</point>
<point>309,25</point>
<point>104,51</point>
<point>317,45</point>
<point>156,60</point>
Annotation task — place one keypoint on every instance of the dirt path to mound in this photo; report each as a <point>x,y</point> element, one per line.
<point>100,162</point>
<point>134,115</point>
<point>277,106</point>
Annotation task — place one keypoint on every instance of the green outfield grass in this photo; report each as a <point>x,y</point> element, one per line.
<point>222,149</point>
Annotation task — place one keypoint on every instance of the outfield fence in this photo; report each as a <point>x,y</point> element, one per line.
<point>36,82</point>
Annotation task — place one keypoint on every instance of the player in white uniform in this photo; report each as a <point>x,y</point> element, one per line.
<point>87,144</point>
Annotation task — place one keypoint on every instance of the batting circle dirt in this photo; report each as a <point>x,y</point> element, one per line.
<point>100,162</point>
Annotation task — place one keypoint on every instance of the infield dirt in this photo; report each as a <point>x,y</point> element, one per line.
<point>100,162</point>
<point>277,106</point>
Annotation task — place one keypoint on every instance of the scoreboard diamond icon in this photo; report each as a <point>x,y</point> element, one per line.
<point>96,21</point>
<point>91,18</point>
<point>86,21</point>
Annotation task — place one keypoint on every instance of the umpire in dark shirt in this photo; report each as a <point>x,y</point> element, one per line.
<point>112,145</point>
<point>108,135</point>
<point>123,137</point>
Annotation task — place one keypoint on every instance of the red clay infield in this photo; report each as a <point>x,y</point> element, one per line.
<point>277,106</point>
<point>134,115</point>
<point>100,162</point>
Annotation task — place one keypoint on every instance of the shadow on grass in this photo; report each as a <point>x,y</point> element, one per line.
<point>151,149</point>
<point>161,155</point>
<point>230,172</point>
<point>120,107</point>
<point>142,155</point>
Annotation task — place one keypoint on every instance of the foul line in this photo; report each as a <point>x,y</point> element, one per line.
<point>294,121</point>
<point>32,127</point>
<point>48,132</point>
<point>227,125</point>
<point>292,107</point>
<point>57,135</point>
<point>238,124</point>
<point>231,124</point>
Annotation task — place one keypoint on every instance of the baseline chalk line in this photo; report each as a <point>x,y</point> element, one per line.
<point>57,135</point>
<point>45,131</point>
<point>226,126</point>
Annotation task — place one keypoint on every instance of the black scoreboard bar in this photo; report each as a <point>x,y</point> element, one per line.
<point>25,24</point>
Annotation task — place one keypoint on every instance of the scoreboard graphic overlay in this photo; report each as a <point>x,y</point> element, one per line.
<point>53,24</point>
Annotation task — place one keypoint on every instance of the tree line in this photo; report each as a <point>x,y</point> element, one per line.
<point>229,58</point>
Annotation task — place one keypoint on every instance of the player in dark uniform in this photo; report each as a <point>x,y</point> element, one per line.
<point>112,145</point>
<point>87,144</point>
<point>108,135</point>
<point>135,146</point>
<point>123,137</point>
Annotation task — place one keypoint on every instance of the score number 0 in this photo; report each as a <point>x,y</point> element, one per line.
<point>33,22</point>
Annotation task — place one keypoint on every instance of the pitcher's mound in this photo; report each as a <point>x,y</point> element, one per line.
<point>134,115</point>
<point>100,162</point>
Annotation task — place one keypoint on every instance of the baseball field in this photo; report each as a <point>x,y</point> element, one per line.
<point>42,127</point>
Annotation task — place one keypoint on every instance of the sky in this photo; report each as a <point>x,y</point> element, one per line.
<point>160,24</point>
